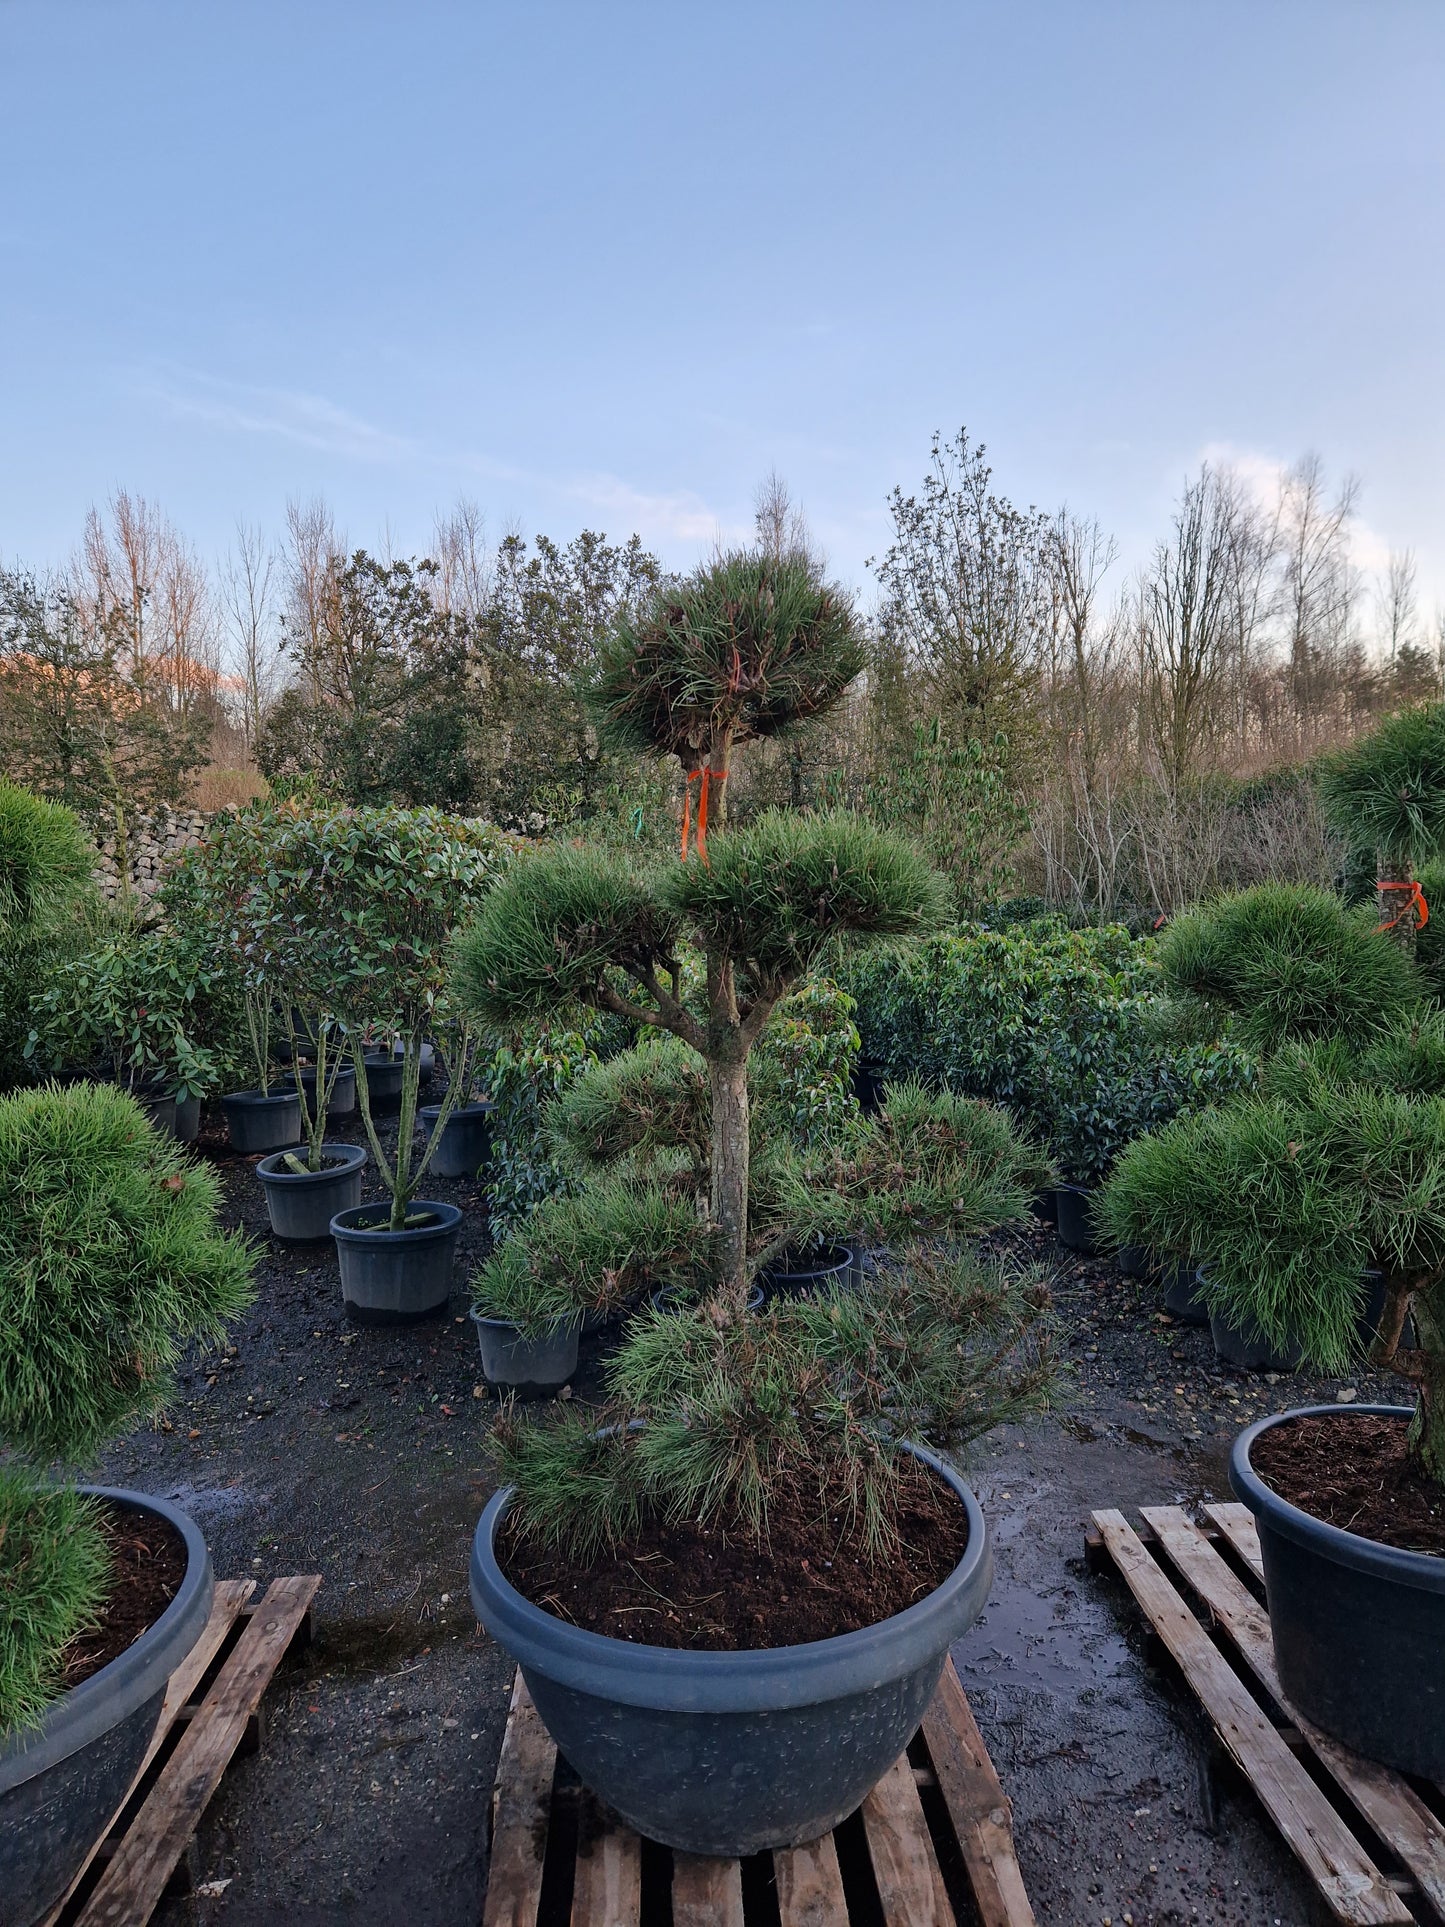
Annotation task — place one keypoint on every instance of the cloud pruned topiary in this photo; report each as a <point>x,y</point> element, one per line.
<point>1388,789</point>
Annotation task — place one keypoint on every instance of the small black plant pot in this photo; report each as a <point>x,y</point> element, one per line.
<point>160,1108</point>
<point>188,1119</point>
<point>1359,1627</point>
<point>528,1367</point>
<point>799,1274</point>
<point>1133,1260</point>
<point>732,1753</point>
<point>428,1060</point>
<point>61,1783</point>
<point>1044,1204</point>
<point>301,1205</point>
<point>1075,1229</point>
<point>396,1277</point>
<point>466,1142</point>
<point>343,1091</point>
<point>259,1121</point>
<point>867,1083</point>
<point>383,1081</point>
<point>1245,1347</point>
<point>1182,1300</point>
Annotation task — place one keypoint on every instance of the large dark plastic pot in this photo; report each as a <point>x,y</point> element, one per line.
<point>1133,1260</point>
<point>343,1091</point>
<point>867,1084</point>
<point>395,1277</point>
<point>1246,1347</point>
<point>1044,1204</point>
<point>188,1119</point>
<point>734,1753</point>
<point>160,1108</point>
<point>800,1275</point>
<point>383,1079</point>
<point>258,1121</point>
<point>466,1142</point>
<point>1075,1230</point>
<point>60,1784</point>
<point>302,1204</point>
<point>428,1059</point>
<point>1359,1628</point>
<point>1180,1279</point>
<point>530,1367</point>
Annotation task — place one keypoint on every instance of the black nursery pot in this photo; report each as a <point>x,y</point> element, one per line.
<point>1075,1229</point>
<point>61,1783</point>
<point>867,1083</point>
<point>1244,1347</point>
<point>1359,1627</point>
<point>528,1367</point>
<point>343,1091</point>
<point>396,1277</point>
<point>258,1121</point>
<point>731,1753</point>
<point>383,1080</point>
<point>466,1142</point>
<point>302,1204</point>
<point>801,1274</point>
<point>1180,1279</point>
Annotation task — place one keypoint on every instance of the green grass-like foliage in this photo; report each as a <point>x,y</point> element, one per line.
<point>53,1570</point>
<point>774,895</point>
<point>45,862</point>
<point>110,1262</point>
<point>1289,962</point>
<point>1388,790</point>
<point>750,643</point>
<point>594,1250</point>
<point>551,931</point>
<point>650,1102</point>
<point>809,1389</point>
<point>927,1163</point>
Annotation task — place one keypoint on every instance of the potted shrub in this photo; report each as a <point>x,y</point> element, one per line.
<point>110,1263</point>
<point>46,894</point>
<point>366,902</point>
<point>748,1719</point>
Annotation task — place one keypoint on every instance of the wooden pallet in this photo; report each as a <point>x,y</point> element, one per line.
<point>1372,1840</point>
<point>212,1711</point>
<point>931,1846</point>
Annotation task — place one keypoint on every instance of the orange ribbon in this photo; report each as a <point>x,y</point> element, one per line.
<point>1416,903</point>
<point>702,777</point>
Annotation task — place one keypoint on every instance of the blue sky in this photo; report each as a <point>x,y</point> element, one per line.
<point>608,265</point>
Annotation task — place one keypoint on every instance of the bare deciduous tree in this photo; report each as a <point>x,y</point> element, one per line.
<point>251,619</point>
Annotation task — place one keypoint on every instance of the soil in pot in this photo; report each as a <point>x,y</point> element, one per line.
<point>148,1563</point>
<point>1355,1471</point>
<point>715,1589</point>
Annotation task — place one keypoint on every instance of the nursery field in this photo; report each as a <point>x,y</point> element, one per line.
<point>309,1444</point>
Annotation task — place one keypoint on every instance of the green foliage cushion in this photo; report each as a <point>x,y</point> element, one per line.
<point>53,1570</point>
<point>752,642</point>
<point>46,862</point>
<point>110,1262</point>
<point>1387,791</point>
<point>1289,962</point>
<point>547,937</point>
<point>773,896</point>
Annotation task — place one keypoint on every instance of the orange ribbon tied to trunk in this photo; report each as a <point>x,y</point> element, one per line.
<point>1415,902</point>
<point>703,778</point>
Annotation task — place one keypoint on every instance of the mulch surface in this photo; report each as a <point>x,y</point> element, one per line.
<point>717,1589</point>
<point>1355,1472</point>
<point>148,1563</point>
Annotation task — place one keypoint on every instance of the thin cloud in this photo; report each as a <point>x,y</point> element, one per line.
<point>293,415</point>
<point>1264,476</point>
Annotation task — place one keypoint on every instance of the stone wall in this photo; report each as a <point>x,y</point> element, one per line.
<point>154,840</point>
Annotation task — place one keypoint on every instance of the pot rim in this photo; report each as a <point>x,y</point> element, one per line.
<point>345,1233</point>
<point>483,1107</point>
<point>83,1713</point>
<point>753,1680</point>
<point>838,1257</point>
<point>1423,1570</point>
<point>562,1326</point>
<point>356,1157</point>
<point>254,1098</point>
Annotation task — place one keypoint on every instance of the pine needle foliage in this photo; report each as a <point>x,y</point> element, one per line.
<point>596,1250</point>
<point>46,863</point>
<point>710,1415</point>
<point>110,1263</point>
<point>773,896</point>
<point>53,1571</point>
<point>1289,962</point>
<point>1387,790</point>
<point>750,645</point>
<point>650,1102</point>
<point>927,1164</point>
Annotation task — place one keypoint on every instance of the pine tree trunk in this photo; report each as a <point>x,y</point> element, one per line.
<point>1394,906</point>
<point>1428,1431</point>
<point>729,1201</point>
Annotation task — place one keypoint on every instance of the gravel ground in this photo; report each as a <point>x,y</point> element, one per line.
<point>309,1445</point>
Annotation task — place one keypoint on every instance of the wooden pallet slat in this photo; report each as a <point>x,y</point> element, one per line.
<point>810,1885</point>
<point>607,1886</point>
<point>977,1805</point>
<point>1236,1522</point>
<point>706,1893</point>
<point>1350,1883</point>
<point>910,1886</point>
<point>521,1802</point>
<point>133,1882</point>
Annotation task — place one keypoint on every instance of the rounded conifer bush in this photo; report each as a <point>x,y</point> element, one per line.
<point>111,1262</point>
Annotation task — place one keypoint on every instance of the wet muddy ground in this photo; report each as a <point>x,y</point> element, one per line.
<point>310,1445</point>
